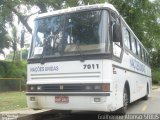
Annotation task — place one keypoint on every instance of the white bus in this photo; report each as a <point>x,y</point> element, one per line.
<point>86,58</point>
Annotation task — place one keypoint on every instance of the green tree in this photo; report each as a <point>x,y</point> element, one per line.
<point>4,37</point>
<point>9,57</point>
<point>14,42</point>
<point>141,15</point>
<point>155,58</point>
<point>12,70</point>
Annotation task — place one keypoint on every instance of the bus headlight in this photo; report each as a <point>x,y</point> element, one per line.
<point>32,88</point>
<point>39,88</point>
<point>97,87</point>
<point>88,87</point>
<point>105,87</point>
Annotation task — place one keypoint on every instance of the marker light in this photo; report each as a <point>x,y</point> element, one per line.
<point>39,88</point>
<point>32,88</point>
<point>97,87</point>
<point>106,87</point>
<point>88,87</point>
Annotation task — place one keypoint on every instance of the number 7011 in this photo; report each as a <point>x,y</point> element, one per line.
<point>91,66</point>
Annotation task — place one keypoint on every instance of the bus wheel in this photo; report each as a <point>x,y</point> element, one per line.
<point>36,109</point>
<point>146,96</point>
<point>122,111</point>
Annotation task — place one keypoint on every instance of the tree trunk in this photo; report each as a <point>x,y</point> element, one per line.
<point>21,18</point>
<point>14,54</point>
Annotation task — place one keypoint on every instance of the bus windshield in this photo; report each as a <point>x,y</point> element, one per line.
<point>70,34</point>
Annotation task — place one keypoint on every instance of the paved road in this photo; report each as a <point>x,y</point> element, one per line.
<point>150,106</point>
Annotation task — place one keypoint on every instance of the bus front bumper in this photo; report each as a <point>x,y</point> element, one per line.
<point>76,101</point>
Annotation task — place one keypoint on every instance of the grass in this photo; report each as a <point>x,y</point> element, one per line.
<point>12,101</point>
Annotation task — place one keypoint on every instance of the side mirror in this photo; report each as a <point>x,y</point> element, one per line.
<point>22,38</point>
<point>117,34</point>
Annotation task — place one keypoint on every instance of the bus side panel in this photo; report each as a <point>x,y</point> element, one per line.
<point>137,74</point>
<point>116,83</point>
<point>118,86</point>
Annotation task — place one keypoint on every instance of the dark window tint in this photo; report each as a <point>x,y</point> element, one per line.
<point>126,37</point>
<point>133,44</point>
<point>143,55</point>
<point>138,49</point>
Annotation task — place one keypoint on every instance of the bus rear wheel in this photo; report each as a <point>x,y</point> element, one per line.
<point>122,111</point>
<point>147,92</point>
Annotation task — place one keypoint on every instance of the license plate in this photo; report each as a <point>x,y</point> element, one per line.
<point>61,99</point>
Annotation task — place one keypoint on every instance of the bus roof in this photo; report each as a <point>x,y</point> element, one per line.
<point>78,8</point>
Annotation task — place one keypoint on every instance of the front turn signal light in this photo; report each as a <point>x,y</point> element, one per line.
<point>106,87</point>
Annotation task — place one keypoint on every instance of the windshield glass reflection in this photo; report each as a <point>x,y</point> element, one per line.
<point>70,34</point>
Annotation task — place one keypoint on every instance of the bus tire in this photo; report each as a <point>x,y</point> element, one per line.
<point>36,109</point>
<point>122,111</point>
<point>147,92</point>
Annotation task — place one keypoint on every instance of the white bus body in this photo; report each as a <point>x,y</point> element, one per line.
<point>85,82</point>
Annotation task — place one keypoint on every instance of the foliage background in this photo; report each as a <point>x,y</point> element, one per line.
<point>12,70</point>
<point>143,17</point>
<point>155,65</point>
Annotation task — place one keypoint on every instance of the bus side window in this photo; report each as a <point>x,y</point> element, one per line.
<point>126,38</point>
<point>138,49</point>
<point>140,52</point>
<point>133,43</point>
<point>146,57</point>
<point>143,55</point>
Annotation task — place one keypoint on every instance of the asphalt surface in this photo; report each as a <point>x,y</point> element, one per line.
<point>136,110</point>
<point>150,106</point>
